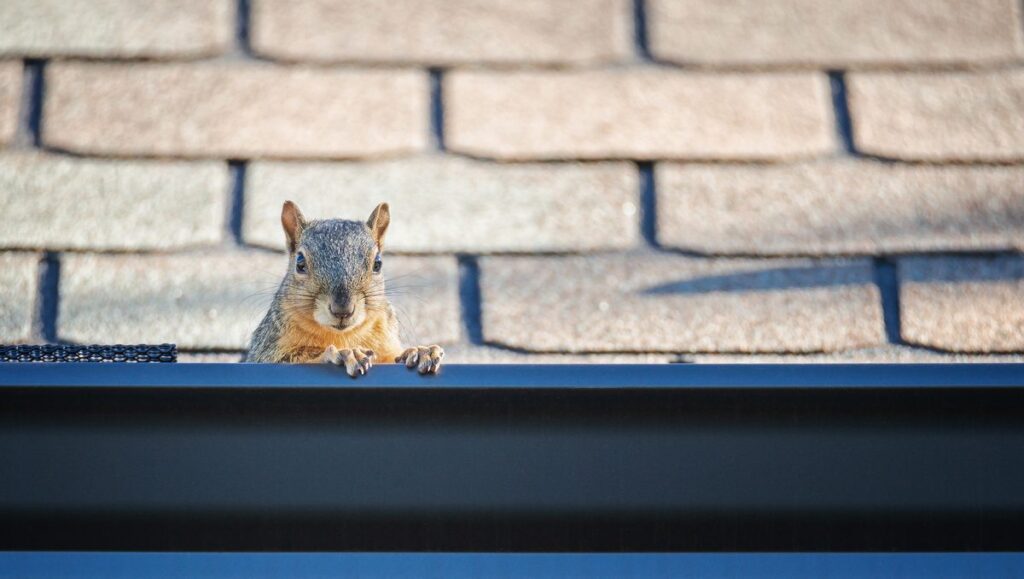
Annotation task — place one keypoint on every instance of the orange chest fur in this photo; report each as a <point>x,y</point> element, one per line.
<point>305,340</point>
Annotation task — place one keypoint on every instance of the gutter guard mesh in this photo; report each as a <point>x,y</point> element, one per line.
<point>96,353</point>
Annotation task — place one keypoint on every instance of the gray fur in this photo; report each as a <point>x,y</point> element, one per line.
<point>263,340</point>
<point>340,255</point>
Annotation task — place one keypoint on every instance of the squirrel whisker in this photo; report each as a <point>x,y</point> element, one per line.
<point>334,282</point>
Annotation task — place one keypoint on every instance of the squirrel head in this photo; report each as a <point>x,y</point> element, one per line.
<point>335,267</point>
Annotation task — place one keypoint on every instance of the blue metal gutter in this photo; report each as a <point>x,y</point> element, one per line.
<point>512,458</point>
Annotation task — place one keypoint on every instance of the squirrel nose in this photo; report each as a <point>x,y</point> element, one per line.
<point>343,312</point>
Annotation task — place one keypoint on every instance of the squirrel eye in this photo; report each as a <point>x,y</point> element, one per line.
<point>377,264</point>
<point>300,262</point>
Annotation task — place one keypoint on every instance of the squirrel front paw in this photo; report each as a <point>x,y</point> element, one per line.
<point>357,361</point>
<point>426,359</point>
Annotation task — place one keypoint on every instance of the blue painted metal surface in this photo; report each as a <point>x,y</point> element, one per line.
<point>522,376</point>
<point>533,458</point>
<point>535,566</point>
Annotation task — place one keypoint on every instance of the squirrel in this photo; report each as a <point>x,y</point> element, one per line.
<point>331,306</point>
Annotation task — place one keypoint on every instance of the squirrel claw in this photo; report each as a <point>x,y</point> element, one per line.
<point>426,359</point>
<point>357,361</point>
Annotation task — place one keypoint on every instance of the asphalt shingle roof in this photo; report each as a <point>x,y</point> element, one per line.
<point>796,180</point>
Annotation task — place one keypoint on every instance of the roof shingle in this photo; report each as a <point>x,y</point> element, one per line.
<point>215,300</point>
<point>456,205</point>
<point>839,207</point>
<point>836,33</point>
<point>963,304</point>
<point>19,278</point>
<point>116,28</point>
<point>949,116</point>
<point>110,205</point>
<point>638,114</point>
<point>10,99</point>
<point>667,303</point>
<point>234,111</point>
<point>444,32</point>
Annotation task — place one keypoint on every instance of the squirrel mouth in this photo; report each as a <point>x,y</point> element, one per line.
<point>323,315</point>
<point>346,324</point>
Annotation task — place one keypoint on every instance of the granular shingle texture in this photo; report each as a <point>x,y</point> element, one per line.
<point>891,354</point>
<point>948,116</point>
<point>444,31</point>
<point>116,28</point>
<point>582,180</point>
<point>638,114</point>
<point>110,205</point>
<point>839,207</point>
<point>963,304</point>
<point>539,207</point>
<point>196,301</point>
<point>835,33</point>
<point>10,99</point>
<point>215,300</point>
<point>425,294</point>
<point>239,111</point>
<point>19,276</point>
<point>209,357</point>
<point>665,303</point>
<point>470,354</point>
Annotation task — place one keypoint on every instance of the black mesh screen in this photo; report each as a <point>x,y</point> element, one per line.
<point>65,353</point>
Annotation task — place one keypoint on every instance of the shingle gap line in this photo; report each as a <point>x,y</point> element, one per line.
<point>437,107</point>
<point>648,203</point>
<point>30,121</point>
<point>242,27</point>
<point>841,109</point>
<point>1020,14</point>
<point>887,280</point>
<point>47,298</point>
<point>640,31</point>
<point>236,200</point>
<point>470,300</point>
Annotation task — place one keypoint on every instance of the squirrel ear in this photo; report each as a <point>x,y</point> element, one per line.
<point>378,223</point>
<point>293,223</point>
